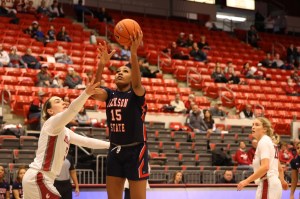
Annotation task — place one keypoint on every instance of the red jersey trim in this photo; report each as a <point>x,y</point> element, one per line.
<point>49,153</point>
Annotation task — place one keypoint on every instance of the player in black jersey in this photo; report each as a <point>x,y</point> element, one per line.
<point>125,111</point>
<point>295,165</point>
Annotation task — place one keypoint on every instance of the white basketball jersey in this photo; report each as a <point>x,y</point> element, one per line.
<point>266,149</point>
<point>52,151</point>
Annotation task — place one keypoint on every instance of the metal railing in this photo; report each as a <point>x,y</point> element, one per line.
<point>190,79</point>
<point>102,157</point>
<point>85,176</point>
<point>159,56</point>
<point>224,96</point>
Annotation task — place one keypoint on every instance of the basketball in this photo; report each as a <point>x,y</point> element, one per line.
<point>124,29</point>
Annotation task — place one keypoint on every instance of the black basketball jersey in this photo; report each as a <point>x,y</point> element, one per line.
<point>125,112</point>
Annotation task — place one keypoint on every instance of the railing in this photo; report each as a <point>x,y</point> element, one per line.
<point>190,79</point>
<point>158,58</point>
<point>226,97</point>
<point>102,168</point>
<point>85,176</point>
<point>276,43</point>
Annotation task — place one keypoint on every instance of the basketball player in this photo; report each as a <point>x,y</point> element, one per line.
<point>295,165</point>
<point>265,163</point>
<point>54,143</point>
<point>125,111</point>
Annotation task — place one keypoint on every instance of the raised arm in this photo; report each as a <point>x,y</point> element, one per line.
<point>104,58</point>
<point>88,142</point>
<point>137,87</point>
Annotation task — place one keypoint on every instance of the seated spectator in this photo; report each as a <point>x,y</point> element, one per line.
<point>39,35</point>
<point>63,35</point>
<point>79,10</point>
<point>125,53</point>
<point>251,151</point>
<point>176,53</point>
<point>30,9</point>
<point>189,42</point>
<point>252,36</point>
<point>203,44</point>
<point>82,118</point>
<point>145,70</point>
<point>209,123</point>
<point>57,82</point>
<point>230,74</point>
<point>93,38</point>
<point>277,62</point>
<point>191,101</point>
<point>267,62</point>
<point>269,24</point>
<point>295,76</point>
<point>245,69</point>
<point>276,139</point>
<point>4,57</point>
<point>218,75</point>
<point>178,104</point>
<point>287,66</point>
<point>42,10</point>
<point>35,25</point>
<point>285,156</point>
<point>44,78</point>
<point>15,59</point>
<point>241,155</point>
<point>197,53</point>
<point>195,120</point>
<point>61,56</point>
<point>35,111</point>
<point>291,88</point>
<point>247,112</point>
<point>51,34</point>
<point>19,6</point>
<point>7,12</point>
<point>260,73</point>
<point>103,15</point>
<point>73,80</point>
<point>17,190</point>
<point>177,178</point>
<point>250,74</point>
<point>29,31</point>
<point>56,10</point>
<point>227,178</point>
<point>217,110</point>
<point>181,41</point>
<point>5,193</point>
<point>30,61</point>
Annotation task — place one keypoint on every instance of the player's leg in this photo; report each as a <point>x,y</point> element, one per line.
<point>137,189</point>
<point>115,187</point>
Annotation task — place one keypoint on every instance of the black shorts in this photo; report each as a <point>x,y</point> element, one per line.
<point>129,162</point>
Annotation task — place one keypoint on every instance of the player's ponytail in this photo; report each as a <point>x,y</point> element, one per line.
<point>266,124</point>
<point>45,114</point>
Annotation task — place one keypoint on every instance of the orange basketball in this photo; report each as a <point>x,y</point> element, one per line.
<point>124,29</point>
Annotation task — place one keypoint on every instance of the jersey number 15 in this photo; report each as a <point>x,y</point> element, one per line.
<point>116,115</point>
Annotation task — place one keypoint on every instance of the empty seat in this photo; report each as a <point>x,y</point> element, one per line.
<point>9,142</point>
<point>28,142</point>
<point>23,156</point>
<point>6,156</point>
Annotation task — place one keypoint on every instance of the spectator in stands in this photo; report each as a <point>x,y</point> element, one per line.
<point>191,101</point>
<point>181,41</point>
<point>93,38</point>
<point>4,57</point>
<point>35,111</point>
<point>4,186</point>
<point>195,120</point>
<point>15,59</point>
<point>42,10</point>
<point>51,34</point>
<point>63,181</point>
<point>82,118</point>
<point>145,70</point>
<point>103,15</point>
<point>30,61</point>
<point>28,31</point>
<point>251,151</point>
<point>230,74</point>
<point>39,35</point>
<point>56,10</point>
<point>57,82</point>
<point>285,156</point>
<point>241,155</point>
<point>209,123</point>
<point>125,53</point>
<point>178,104</point>
<point>252,36</point>
<point>197,53</point>
<point>73,80</point>
<point>227,178</point>
<point>247,112</point>
<point>35,26</point>
<point>245,69</point>
<point>203,44</point>
<point>291,53</point>
<point>276,139</point>
<point>17,190</point>
<point>30,9</point>
<point>290,88</point>
<point>218,75</point>
<point>62,35</point>
<point>267,62</point>
<point>259,73</point>
<point>79,10</point>
<point>177,178</point>
<point>44,78</point>
<point>269,24</point>
<point>277,62</point>
<point>61,56</point>
<point>295,76</point>
<point>7,12</point>
<point>19,6</point>
<point>175,52</point>
<point>217,110</point>
<point>190,40</point>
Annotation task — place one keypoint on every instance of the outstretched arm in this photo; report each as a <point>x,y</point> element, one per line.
<point>137,87</point>
<point>104,59</point>
<point>88,142</point>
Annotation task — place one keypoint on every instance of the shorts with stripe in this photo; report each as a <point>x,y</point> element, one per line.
<point>129,162</point>
<point>269,188</point>
<point>37,185</point>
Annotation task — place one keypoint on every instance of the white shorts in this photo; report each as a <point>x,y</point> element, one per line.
<point>269,189</point>
<point>37,185</point>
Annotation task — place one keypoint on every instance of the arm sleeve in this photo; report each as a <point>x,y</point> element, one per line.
<point>88,142</point>
<point>56,123</point>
